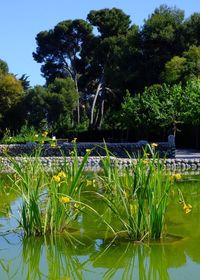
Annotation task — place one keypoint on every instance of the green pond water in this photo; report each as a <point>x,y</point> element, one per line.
<point>88,252</point>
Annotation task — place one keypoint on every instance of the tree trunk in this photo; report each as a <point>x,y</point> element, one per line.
<point>101,115</point>
<point>94,104</point>
<point>78,102</point>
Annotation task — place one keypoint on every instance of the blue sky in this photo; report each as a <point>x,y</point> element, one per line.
<point>21,20</point>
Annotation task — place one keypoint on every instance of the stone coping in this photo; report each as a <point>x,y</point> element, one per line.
<point>94,163</point>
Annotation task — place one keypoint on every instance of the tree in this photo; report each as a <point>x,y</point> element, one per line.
<point>59,50</point>
<point>11,91</point>
<point>35,107</point>
<point>158,106</point>
<point>182,69</point>
<point>173,71</point>
<point>160,41</point>
<point>192,104</point>
<point>103,56</point>
<point>25,82</point>
<point>3,68</point>
<point>52,104</point>
<point>62,99</point>
<point>11,94</point>
<point>191,31</point>
<point>110,22</point>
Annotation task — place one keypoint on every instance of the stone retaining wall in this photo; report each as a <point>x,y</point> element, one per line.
<point>165,149</point>
<point>94,163</point>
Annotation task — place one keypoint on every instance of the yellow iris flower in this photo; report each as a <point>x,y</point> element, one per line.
<point>64,199</point>
<point>187,208</point>
<point>56,178</point>
<point>153,145</point>
<point>62,174</point>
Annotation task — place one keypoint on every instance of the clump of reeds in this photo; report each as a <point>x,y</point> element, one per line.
<point>137,196</point>
<point>50,200</point>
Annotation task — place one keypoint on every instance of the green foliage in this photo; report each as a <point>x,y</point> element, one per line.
<point>3,68</point>
<point>183,68</point>
<point>59,48</point>
<point>190,31</point>
<point>51,199</point>
<point>66,90</point>
<point>137,196</point>
<point>87,74</point>
<point>162,25</point>
<point>25,82</point>
<point>158,105</point>
<point>192,65</point>
<point>192,104</point>
<point>110,22</point>
<point>27,134</point>
<point>53,104</point>
<point>173,70</point>
<point>11,92</point>
<point>160,37</point>
<point>49,204</point>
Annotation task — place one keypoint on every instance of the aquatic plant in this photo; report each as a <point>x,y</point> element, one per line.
<point>48,202</point>
<point>137,195</point>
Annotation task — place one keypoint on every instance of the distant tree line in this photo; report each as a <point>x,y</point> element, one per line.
<point>105,72</point>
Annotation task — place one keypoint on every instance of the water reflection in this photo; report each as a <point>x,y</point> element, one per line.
<point>58,258</point>
<point>133,261</point>
<point>51,258</point>
<point>89,254</point>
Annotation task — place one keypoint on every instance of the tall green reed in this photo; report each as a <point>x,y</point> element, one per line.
<point>29,182</point>
<point>50,199</point>
<point>138,197</point>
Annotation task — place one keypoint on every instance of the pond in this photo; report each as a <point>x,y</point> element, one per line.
<point>89,252</point>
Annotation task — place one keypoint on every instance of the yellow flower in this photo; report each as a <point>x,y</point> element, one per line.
<point>177,176</point>
<point>74,140</point>
<point>44,134</point>
<point>88,151</point>
<point>53,145</point>
<point>64,199</point>
<point>187,208</point>
<point>36,135</point>
<point>145,161</point>
<point>62,174</point>
<point>153,145</point>
<point>56,178</point>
